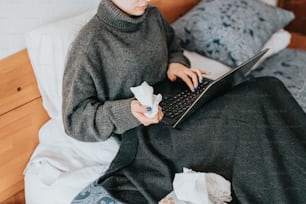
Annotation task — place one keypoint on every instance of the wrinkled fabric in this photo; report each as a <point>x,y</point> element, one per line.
<point>254,136</point>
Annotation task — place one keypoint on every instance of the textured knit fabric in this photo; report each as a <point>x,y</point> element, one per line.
<point>289,66</point>
<point>254,135</point>
<point>112,53</point>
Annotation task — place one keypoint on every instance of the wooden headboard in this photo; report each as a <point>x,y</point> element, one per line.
<point>22,113</point>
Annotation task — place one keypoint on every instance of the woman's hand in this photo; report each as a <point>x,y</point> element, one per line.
<point>139,110</point>
<point>190,76</point>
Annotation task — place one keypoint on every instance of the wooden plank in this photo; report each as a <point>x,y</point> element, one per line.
<point>298,7</point>
<point>298,41</point>
<point>168,7</point>
<point>17,82</point>
<point>18,139</point>
<point>18,198</point>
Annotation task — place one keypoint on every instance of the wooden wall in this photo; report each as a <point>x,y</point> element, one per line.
<point>298,25</point>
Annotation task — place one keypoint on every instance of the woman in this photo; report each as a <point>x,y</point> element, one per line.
<point>253,135</point>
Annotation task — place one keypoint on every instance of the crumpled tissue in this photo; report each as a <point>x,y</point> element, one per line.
<point>144,94</point>
<point>192,187</point>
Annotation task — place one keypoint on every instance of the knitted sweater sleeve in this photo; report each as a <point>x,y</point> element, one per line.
<point>87,114</point>
<point>175,51</point>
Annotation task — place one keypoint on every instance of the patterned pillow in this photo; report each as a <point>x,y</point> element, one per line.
<point>230,31</point>
<point>95,194</point>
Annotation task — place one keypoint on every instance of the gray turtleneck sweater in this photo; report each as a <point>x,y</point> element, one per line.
<point>112,53</point>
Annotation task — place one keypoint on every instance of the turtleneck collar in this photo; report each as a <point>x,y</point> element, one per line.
<point>113,16</point>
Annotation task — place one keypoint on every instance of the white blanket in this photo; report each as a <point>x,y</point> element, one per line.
<point>61,166</point>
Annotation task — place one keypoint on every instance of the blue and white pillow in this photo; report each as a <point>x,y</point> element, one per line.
<point>230,31</point>
<point>95,194</point>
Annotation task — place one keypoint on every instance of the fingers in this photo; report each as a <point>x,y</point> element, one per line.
<point>188,82</point>
<point>199,74</point>
<point>154,120</point>
<point>192,77</point>
<point>137,107</point>
<point>160,114</point>
<point>139,111</point>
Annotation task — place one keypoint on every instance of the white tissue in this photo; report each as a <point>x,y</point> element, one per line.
<point>191,187</point>
<point>219,189</point>
<point>201,188</point>
<point>144,94</point>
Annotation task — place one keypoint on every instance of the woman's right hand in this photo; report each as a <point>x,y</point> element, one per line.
<point>139,111</point>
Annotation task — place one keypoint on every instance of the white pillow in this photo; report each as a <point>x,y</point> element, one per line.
<point>277,42</point>
<point>47,47</point>
<point>59,155</point>
<point>60,167</point>
<point>271,2</point>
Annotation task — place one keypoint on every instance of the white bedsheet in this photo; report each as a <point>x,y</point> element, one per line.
<point>63,190</point>
<point>61,167</point>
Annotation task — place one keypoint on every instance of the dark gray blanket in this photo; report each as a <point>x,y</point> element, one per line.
<point>290,67</point>
<point>254,135</point>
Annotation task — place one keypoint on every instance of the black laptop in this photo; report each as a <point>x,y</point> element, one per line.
<point>179,102</point>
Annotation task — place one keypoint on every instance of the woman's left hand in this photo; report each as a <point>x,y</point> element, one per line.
<point>190,76</point>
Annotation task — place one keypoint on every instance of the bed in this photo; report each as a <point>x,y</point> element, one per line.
<point>38,157</point>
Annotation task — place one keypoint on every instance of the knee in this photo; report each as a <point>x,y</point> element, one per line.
<point>261,82</point>
<point>261,85</point>
<point>268,80</point>
<point>268,83</point>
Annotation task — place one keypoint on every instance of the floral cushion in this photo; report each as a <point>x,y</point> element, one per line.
<point>230,31</point>
<point>94,194</point>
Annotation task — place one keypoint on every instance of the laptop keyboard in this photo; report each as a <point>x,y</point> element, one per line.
<point>174,106</point>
